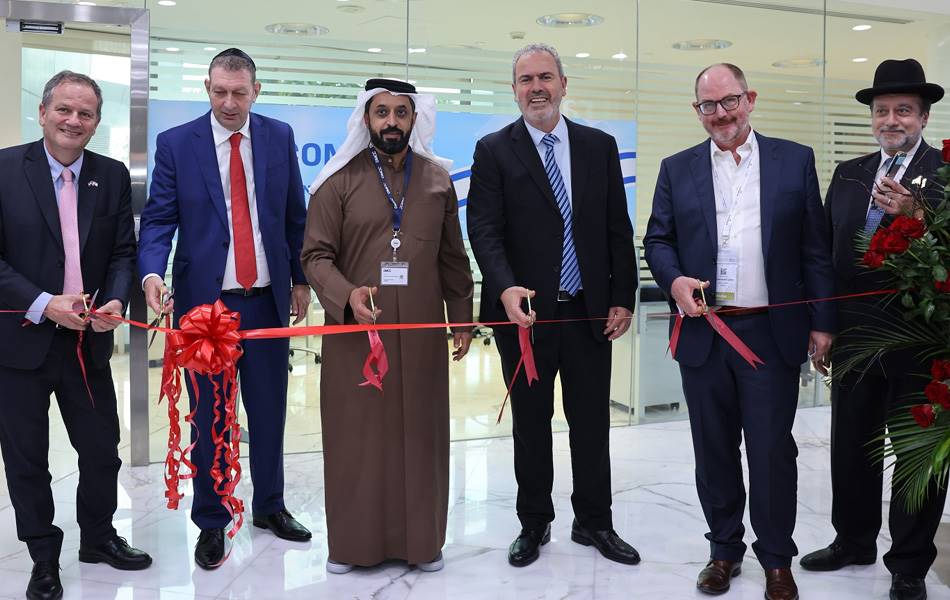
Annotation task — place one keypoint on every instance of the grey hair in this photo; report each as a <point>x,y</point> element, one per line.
<point>736,72</point>
<point>71,77</point>
<point>533,49</point>
<point>234,59</point>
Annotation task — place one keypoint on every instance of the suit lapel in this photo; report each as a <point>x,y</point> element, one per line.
<point>207,160</point>
<point>38,175</point>
<point>769,173</point>
<point>579,164</point>
<point>701,169</point>
<point>87,195</point>
<point>527,153</point>
<point>259,145</point>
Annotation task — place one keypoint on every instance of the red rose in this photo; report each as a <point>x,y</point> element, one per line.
<point>938,393</point>
<point>923,414</point>
<point>908,227</point>
<point>894,243</point>
<point>877,241</point>
<point>943,286</point>
<point>875,260</point>
<point>946,151</point>
<point>940,369</point>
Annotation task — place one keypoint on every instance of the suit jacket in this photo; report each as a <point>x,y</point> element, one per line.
<point>186,195</point>
<point>517,232</point>
<point>682,239</point>
<point>846,206</point>
<point>32,258</point>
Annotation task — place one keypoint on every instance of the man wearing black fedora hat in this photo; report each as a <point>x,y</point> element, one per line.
<point>865,193</point>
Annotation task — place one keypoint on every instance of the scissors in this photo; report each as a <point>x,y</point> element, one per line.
<point>87,307</point>
<point>167,295</point>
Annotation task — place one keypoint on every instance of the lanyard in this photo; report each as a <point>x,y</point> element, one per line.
<point>397,208</point>
<point>732,209</point>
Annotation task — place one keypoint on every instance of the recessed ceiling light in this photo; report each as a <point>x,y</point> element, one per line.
<point>797,103</point>
<point>374,50</point>
<point>297,29</point>
<point>570,19</point>
<point>350,9</point>
<point>797,63</point>
<point>702,44</point>
<point>859,59</point>
<point>619,56</point>
<point>167,2</point>
<point>84,3</point>
<point>210,48</point>
<point>860,28</point>
<point>416,50</point>
<point>172,49</point>
<point>796,92</point>
<point>582,54</point>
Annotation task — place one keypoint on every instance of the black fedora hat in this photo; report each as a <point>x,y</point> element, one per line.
<point>900,77</point>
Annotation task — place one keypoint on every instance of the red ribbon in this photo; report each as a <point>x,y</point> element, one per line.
<point>377,363</point>
<point>207,344</point>
<point>526,360</point>
<point>720,327</point>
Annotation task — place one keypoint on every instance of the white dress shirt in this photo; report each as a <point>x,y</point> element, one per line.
<point>739,218</point>
<point>562,151</point>
<point>222,147</point>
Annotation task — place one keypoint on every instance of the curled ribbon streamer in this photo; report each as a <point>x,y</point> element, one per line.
<point>206,343</point>
<point>376,364</point>
<point>82,367</point>
<point>527,361</point>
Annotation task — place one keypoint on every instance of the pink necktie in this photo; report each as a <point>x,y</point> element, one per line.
<point>72,281</point>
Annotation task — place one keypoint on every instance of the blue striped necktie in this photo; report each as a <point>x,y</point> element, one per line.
<point>876,213</point>
<point>570,273</point>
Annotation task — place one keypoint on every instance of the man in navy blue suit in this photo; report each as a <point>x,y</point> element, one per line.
<point>740,216</point>
<point>229,183</point>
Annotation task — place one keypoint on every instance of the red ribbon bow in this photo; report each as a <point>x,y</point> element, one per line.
<point>206,343</point>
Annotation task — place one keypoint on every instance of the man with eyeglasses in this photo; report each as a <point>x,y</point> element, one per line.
<point>866,193</point>
<point>737,222</point>
<point>229,184</point>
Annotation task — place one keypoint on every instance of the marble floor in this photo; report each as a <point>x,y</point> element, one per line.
<point>655,508</point>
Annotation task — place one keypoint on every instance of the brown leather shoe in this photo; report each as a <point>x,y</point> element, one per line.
<point>714,579</point>
<point>780,585</point>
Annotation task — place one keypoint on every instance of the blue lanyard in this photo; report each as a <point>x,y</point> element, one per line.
<point>397,208</point>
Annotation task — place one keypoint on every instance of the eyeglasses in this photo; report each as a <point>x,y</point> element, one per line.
<point>708,107</point>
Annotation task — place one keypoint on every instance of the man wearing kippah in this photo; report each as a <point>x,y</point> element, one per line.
<point>866,193</point>
<point>229,184</point>
<point>383,245</point>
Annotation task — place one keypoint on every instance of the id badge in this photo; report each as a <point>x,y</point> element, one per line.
<point>394,273</point>
<point>727,276</point>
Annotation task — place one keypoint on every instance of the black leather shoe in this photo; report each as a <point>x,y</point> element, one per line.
<point>284,526</point>
<point>835,557</point>
<point>526,547</point>
<point>608,542</point>
<point>209,551</point>
<point>44,582</point>
<point>905,587</point>
<point>116,553</point>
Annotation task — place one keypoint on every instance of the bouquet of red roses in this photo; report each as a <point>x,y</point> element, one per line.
<point>914,250</point>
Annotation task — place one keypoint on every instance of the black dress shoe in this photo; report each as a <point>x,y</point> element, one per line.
<point>116,553</point>
<point>44,582</point>
<point>835,557</point>
<point>284,526</point>
<point>905,587</point>
<point>608,542</point>
<point>526,547</point>
<point>209,551</point>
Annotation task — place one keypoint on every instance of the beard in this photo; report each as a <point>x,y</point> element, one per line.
<point>903,141</point>
<point>390,146</point>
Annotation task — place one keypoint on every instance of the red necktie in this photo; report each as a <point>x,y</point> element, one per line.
<point>245,263</point>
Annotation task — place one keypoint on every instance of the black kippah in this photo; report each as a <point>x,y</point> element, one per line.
<point>393,85</point>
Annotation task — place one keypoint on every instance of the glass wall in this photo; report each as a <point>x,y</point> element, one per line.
<point>630,67</point>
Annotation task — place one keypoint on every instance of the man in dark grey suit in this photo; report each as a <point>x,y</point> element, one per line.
<point>547,219</point>
<point>65,232</point>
